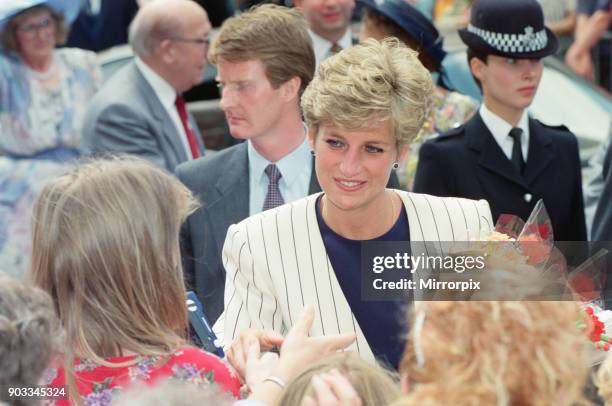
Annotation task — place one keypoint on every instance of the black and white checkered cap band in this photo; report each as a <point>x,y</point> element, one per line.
<point>515,43</point>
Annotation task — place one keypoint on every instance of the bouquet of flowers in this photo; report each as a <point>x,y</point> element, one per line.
<point>531,247</point>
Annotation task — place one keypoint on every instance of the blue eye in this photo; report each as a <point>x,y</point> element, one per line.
<point>334,143</point>
<point>373,150</point>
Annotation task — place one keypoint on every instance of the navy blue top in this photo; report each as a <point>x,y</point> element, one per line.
<point>382,322</point>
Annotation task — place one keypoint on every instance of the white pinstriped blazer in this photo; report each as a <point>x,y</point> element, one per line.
<point>276,263</point>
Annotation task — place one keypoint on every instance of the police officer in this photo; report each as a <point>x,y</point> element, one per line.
<point>501,154</point>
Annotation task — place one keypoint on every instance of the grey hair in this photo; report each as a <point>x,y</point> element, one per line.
<point>174,392</point>
<point>30,332</point>
<point>148,29</point>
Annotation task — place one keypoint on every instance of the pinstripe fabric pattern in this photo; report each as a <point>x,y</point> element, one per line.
<point>276,263</point>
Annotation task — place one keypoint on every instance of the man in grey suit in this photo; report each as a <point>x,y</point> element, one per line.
<point>265,61</point>
<point>140,110</point>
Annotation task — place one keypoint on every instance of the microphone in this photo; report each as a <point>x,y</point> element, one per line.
<point>200,332</point>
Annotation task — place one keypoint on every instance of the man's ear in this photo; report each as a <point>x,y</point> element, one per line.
<point>291,88</point>
<point>166,51</point>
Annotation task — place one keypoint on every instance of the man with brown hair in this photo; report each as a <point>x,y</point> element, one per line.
<point>265,61</point>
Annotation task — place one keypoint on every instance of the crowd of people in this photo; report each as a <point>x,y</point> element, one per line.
<point>111,207</point>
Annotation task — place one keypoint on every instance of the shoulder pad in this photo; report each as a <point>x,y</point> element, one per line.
<point>555,127</point>
<point>453,132</point>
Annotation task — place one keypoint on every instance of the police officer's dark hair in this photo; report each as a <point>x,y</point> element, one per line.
<point>471,54</point>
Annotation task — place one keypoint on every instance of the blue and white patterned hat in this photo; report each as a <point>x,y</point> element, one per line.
<point>512,28</point>
<point>10,8</point>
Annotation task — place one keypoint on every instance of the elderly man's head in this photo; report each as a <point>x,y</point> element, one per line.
<point>171,36</point>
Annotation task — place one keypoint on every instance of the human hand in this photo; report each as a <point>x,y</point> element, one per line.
<point>580,62</point>
<point>238,352</point>
<point>299,350</point>
<point>258,366</point>
<point>332,389</point>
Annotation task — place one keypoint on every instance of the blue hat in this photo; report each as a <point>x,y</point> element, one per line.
<point>414,23</point>
<point>10,8</point>
<point>511,28</point>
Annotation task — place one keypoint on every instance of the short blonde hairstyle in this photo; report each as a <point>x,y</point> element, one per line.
<point>274,35</point>
<point>106,248</point>
<point>374,384</point>
<point>509,352</point>
<point>8,39</point>
<point>371,81</point>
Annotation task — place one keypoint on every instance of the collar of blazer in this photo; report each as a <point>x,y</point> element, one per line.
<point>541,154</point>
<point>230,203</point>
<point>166,126</point>
<point>464,220</point>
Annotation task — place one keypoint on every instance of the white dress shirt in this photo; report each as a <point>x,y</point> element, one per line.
<point>295,168</point>
<point>167,97</point>
<point>322,46</point>
<point>500,129</point>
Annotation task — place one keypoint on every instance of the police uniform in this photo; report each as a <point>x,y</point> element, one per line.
<point>469,162</point>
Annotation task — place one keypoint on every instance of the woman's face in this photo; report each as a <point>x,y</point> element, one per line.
<point>35,35</point>
<point>353,166</point>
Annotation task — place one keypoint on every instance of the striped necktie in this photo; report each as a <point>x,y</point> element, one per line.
<point>274,197</point>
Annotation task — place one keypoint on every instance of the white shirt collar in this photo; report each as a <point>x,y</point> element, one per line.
<point>289,166</point>
<point>322,46</point>
<point>500,129</point>
<point>165,93</point>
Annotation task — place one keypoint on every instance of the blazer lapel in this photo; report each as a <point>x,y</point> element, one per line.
<point>233,193</point>
<point>343,319</point>
<point>540,151</point>
<point>160,114</point>
<point>492,157</point>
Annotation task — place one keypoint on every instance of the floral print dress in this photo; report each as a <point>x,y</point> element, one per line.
<point>449,110</point>
<point>41,116</point>
<point>98,384</point>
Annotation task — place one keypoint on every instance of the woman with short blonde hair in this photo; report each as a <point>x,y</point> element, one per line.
<point>106,248</point>
<point>363,107</point>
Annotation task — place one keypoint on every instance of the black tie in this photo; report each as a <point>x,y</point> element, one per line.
<point>517,154</point>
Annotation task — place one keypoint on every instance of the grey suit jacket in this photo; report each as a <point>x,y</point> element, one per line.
<point>127,117</point>
<point>221,183</point>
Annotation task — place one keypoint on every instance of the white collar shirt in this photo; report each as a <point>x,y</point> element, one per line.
<point>500,129</point>
<point>295,168</point>
<point>322,47</point>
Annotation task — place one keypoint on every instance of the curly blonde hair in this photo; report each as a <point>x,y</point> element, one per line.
<point>371,81</point>
<point>496,352</point>
<point>603,380</point>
